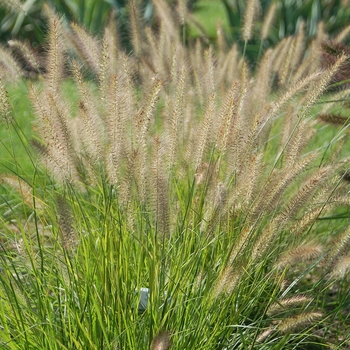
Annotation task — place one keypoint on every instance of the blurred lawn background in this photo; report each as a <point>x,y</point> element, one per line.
<point>25,19</point>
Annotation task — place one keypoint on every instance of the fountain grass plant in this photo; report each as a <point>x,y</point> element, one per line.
<point>180,170</point>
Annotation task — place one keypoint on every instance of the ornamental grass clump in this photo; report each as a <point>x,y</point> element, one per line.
<point>177,169</point>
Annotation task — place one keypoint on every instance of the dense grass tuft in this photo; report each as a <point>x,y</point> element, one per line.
<point>174,197</point>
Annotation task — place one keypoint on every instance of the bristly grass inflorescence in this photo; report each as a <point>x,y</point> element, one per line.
<point>180,168</point>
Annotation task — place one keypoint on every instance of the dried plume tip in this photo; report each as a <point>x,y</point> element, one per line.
<point>249,20</point>
<point>204,133</point>
<point>330,75</point>
<point>342,35</point>
<point>5,107</point>
<point>331,52</point>
<point>278,185</point>
<point>342,268</point>
<point>166,16</point>
<point>87,47</point>
<point>135,27</point>
<point>306,221</point>
<point>57,150</point>
<point>65,221</point>
<point>9,67</point>
<point>177,110</point>
<point>285,304</point>
<point>340,247</point>
<point>13,5</point>
<point>226,282</point>
<point>265,334</point>
<point>142,124</point>
<point>268,21</point>
<point>161,341</point>
<point>306,190</point>
<point>286,96</point>
<point>299,49</point>
<point>182,10</point>
<point>55,57</point>
<point>290,324</point>
<point>160,192</point>
<point>26,55</point>
<point>303,253</point>
<point>334,119</point>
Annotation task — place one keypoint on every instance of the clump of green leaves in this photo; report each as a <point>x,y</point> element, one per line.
<point>283,19</point>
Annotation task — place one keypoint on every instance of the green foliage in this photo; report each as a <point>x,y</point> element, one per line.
<point>288,17</point>
<point>27,20</point>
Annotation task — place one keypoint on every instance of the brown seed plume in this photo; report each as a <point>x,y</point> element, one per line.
<point>161,341</point>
